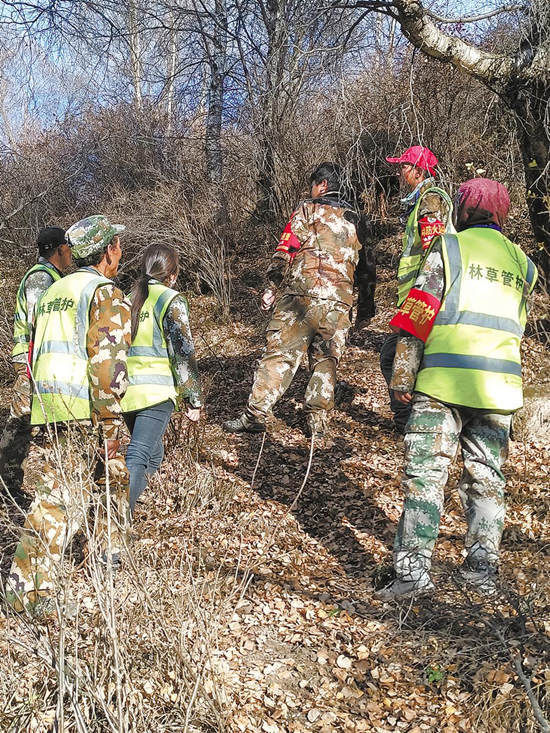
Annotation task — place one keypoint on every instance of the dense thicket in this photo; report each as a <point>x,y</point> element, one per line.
<point>227,101</point>
<point>153,176</point>
<point>126,163</point>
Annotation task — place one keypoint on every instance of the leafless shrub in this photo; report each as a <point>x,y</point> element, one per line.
<point>132,650</point>
<point>6,344</point>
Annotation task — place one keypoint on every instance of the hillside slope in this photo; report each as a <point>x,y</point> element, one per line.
<point>250,608</point>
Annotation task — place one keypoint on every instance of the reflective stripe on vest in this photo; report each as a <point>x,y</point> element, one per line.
<point>413,252</point>
<point>21,328</point>
<point>149,370</point>
<point>472,355</point>
<point>60,357</point>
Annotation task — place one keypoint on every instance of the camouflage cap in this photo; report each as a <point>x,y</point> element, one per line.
<point>91,235</point>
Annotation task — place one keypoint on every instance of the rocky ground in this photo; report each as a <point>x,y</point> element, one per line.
<point>251,607</point>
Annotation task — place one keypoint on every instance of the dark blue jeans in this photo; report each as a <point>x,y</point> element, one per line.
<point>146,449</point>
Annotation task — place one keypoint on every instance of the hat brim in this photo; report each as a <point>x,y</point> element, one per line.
<point>118,228</point>
<point>394,160</point>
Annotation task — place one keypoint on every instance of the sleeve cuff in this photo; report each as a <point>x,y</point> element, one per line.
<point>109,429</point>
<point>20,368</point>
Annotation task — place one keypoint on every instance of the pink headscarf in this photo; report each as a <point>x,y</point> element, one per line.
<point>481,202</point>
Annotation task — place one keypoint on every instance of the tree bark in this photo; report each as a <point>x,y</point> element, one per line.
<point>216,62</point>
<point>268,206</point>
<point>171,57</point>
<point>522,81</point>
<point>134,43</point>
<point>530,106</point>
<point>419,29</point>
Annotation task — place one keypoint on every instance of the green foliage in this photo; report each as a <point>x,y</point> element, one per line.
<point>434,674</point>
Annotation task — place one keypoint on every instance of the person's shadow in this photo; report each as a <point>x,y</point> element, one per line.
<point>337,506</point>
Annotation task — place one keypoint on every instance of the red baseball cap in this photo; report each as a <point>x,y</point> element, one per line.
<point>418,156</point>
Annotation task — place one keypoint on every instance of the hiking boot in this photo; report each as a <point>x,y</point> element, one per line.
<point>244,424</point>
<point>480,574</point>
<point>399,588</point>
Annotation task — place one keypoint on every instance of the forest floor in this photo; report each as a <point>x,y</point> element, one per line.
<point>249,608</point>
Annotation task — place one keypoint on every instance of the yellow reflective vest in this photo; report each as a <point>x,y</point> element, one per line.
<point>150,376</point>
<point>472,354</point>
<point>413,253</point>
<point>21,328</point>
<point>60,357</point>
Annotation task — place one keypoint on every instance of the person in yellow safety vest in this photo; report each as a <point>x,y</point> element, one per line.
<point>54,257</point>
<point>162,369</point>
<point>458,363</point>
<point>81,339</point>
<point>427,211</point>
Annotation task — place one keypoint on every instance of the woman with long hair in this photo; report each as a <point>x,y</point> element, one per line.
<point>162,369</point>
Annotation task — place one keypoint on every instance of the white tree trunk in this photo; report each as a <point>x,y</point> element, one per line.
<point>170,75</point>
<point>134,44</point>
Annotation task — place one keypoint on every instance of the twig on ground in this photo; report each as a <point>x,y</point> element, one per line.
<point>258,461</point>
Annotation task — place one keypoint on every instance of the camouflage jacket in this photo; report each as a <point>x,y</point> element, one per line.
<point>35,285</point>
<point>432,205</point>
<point>410,349</point>
<point>181,351</point>
<point>324,265</point>
<point>108,341</point>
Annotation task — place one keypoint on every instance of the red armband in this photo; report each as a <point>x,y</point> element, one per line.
<point>430,227</point>
<point>289,242</point>
<point>417,314</point>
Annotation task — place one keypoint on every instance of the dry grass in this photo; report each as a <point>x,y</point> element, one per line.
<point>234,612</point>
<point>139,653</point>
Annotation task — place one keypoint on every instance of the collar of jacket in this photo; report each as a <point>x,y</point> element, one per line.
<point>332,198</point>
<point>409,201</point>
<point>45,261</point>
<point>481,226</point>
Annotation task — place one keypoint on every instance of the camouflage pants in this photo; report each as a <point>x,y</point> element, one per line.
<point>69,479</point>
<point>434,433</point>
<point>300,325</point>
<point>16,436</point>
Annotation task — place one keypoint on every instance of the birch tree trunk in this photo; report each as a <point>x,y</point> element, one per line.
<point>217,49</point>
<point>134,44</point>
<point>522,81</point>
<point>171,58</point>
<point>268,205</point>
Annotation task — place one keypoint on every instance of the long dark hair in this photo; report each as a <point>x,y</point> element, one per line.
<point>159,261</point>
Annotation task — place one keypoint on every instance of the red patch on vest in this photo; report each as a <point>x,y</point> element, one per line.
<point>430,227</point>
<point>289,242</point>
<point>417,313</point>
<point>29,359</point>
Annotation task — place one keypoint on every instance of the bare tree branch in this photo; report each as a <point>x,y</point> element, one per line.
<point>515,658</point>
<point>476,18</point>
<point>421,31</point>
